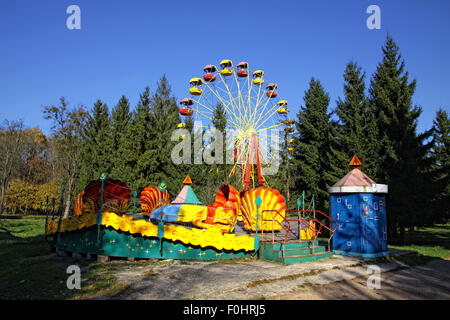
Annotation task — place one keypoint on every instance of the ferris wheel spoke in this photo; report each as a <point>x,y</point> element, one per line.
<point>224,104</point>
<point>258,103</point>
<point>204,106</point>
<point>201,113</point>
<point>271,127</point>
<point>262,111</point>
<point>270,116</point>
<point>240,98</point>
<point>230,95</point>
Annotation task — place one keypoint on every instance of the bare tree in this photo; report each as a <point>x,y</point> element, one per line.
<point>12,145</point>
<point>67,143</point>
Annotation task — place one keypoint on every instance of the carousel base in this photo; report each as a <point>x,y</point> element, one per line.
<point>114,243</point>
<point>124,236</point>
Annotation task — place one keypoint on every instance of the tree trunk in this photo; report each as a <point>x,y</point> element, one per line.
<point>67,205</point>
<point>68,198</point>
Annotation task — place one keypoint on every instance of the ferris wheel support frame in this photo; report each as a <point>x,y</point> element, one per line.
<point>254,147</point>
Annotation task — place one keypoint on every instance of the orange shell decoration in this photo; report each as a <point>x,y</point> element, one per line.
<point>116,197</point>
<point>227,196</point>
<point>273,208</point>
<point>151,199</point>
<point>78,206</point>
<point>224,211</point>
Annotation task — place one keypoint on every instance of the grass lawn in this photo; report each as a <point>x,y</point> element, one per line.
<point>429,243</point>
<point>25,273</point>
<point>28,271</point>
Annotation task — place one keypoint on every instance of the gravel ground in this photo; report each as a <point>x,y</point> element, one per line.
<point>339,277</point>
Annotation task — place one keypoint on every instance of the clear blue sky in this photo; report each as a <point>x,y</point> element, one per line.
<point>123,46</point>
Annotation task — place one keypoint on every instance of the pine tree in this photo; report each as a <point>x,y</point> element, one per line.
<point>440,168</point>
<point>313,148</point>
<point>197,172</point>
<point>120,121</point>
<point>220,171</point>
<point>355,129</point>
<point>284,180</point>
<point>138,134</point>
<point>400,150</point>
<point>96,148</point>
<point>165,116</point>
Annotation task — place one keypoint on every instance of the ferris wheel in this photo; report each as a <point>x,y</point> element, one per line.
<point>253,110</point>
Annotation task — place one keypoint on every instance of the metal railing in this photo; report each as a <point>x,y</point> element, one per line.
<point>307,219</point>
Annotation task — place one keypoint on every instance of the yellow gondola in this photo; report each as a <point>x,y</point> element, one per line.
<point>181,125</point>
<point>227,68</point>
<point>291,141</point>
<point>282,107</point>
<point>194,90</point>
<point>258,77</point>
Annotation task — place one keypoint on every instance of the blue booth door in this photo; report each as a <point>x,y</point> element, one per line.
<point>373,226</point>
<point>345,210</point>
<point>347,237</point>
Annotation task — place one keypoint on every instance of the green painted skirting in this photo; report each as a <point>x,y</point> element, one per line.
<point>116,243</point>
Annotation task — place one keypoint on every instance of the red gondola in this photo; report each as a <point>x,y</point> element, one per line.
<point>271,93</point>
<point>209,76</point>
<point>186,110</point>
<point>242,69</point>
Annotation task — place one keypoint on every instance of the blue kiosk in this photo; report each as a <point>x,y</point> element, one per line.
<point>358,205</point>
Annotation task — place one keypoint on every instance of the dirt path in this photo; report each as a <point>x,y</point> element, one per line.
<point>430,281</point>
<point>339,277</point>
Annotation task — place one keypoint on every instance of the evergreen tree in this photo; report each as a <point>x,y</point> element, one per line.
<point>165,117</point>
<point>138,134</point>
<point>313,146</point>
<point>197,172</point>
<point>400,149</point>
<point>220,171</point>
<point>96,149</point>
<point>120,121</point>
<point>283,180</point>
<point>356,128</point>
<point>440,168</point>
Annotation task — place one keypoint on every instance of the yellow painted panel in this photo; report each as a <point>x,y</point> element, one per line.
<point>211,237</point>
